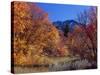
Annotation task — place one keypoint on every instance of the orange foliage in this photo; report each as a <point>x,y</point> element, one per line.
<point>33,32</point>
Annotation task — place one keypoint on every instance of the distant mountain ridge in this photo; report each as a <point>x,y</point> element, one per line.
<point>62,24</point>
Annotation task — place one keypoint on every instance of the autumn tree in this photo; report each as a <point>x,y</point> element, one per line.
<point>79,42</point>
<point>34,35</point>
<point>25,15</point>
<point>84,37</point>
<point>91,31</point>
<point>83,18</point>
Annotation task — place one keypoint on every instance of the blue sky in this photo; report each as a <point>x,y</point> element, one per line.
<point>62,12</point>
